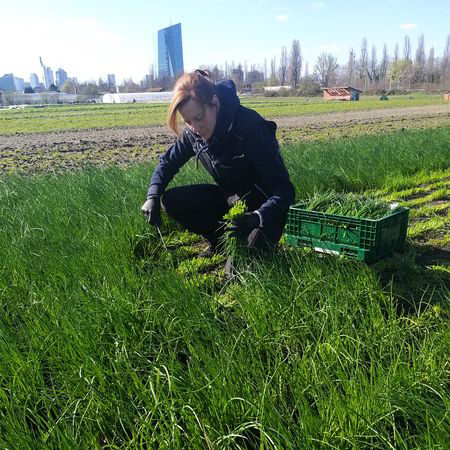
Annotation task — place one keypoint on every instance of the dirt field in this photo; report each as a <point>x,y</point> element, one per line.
<point>302,127</point>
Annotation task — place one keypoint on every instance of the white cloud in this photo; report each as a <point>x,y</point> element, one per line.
<point>317,5</point>
<point>408,26</point>
<point>282,18</point>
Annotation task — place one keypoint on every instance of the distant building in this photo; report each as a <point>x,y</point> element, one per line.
<point>341,93</point>
<point>7,83</point>
<point>19,83</point>
<point>138,97</point>
<point>61,77</point>
<point>111,81</point>
<point>49,77</point>
<point>170,52</point>
<point>34,80</point>
<point>275,88</point>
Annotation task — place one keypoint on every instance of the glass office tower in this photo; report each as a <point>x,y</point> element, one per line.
<point>170,52</point>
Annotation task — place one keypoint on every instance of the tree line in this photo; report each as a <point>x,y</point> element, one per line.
<point>368,69</point>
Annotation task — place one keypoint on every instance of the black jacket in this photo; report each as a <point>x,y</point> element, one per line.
<point>242,156</point>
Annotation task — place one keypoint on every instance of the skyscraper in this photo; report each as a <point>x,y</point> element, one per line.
<point>19,84</point>
<point>7,83</point>
<point>34,80</point>
<point>61,77</point>
<point>111,81</point>
<point>48,74</point>
<point>170,52</point>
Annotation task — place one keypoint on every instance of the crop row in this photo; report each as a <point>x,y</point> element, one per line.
<point>54,118</point>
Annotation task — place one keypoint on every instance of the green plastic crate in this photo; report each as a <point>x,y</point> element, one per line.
<point>364,239</point>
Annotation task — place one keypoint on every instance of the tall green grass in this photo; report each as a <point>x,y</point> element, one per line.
<point>99,350</point>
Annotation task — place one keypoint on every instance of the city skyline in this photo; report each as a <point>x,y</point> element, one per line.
<point>99,40</point>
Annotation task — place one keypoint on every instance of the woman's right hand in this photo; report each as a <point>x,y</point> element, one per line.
<point>152,211</point>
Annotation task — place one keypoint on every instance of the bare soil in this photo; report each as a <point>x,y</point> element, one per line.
<point>155,136</point>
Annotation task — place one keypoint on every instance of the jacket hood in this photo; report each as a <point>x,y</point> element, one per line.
<point>229,104</point>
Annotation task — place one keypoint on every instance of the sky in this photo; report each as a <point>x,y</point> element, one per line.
<point>91,38</point>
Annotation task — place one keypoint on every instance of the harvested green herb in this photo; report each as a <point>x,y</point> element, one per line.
<point>349,204</point>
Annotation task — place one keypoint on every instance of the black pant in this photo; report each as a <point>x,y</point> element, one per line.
<point>200,209</point>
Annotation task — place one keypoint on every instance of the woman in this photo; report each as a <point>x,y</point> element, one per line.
<point>239,150</point>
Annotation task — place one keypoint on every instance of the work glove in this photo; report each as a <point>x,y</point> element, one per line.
<point>242,226</point>
<point>152,211</point>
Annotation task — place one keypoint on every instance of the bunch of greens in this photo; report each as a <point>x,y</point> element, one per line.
<point>349,204</point>
<point>232,245</point>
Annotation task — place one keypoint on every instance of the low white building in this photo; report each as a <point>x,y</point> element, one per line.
<point>138,97</point>
<point>275,88</point>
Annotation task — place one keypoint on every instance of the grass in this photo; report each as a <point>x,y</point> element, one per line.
<point>78,117</point>
<point>421,227</point>
<point>105,344</point>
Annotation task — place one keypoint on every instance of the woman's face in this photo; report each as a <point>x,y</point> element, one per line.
<point>201,119</point>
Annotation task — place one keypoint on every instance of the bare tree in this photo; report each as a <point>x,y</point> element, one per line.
<point>407,48</point>
<point>273,71</point>
<point>363,62</point>
<point>384,63</point>
<point>237,75</point>
<point>265,69</point>
<point>419,61</point>
<point>325,68</point>
<point>295,63</point>
<point>396,53</point>
<point>373,72</point>
<point>283,69</point>
<point>445,61</point>
<point>351,67</point>
<point>430,72</point>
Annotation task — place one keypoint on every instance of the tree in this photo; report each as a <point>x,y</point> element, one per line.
<point>254,76</point>
<point>103,85</point>
<point>399,72</point>
<point>373,68</point>
<point>325,68</point>
<point>273,72</point>
<point>419,61</point>
<point>283,70</point>
<point>431,76</point>
<point>216,73</point>
<point>445,61</point>
<point>53,88</point>
<point>351,67</point>
<point>396,53</point>
<point>407,48</point>
<point>28,90</point>
<point>69,87</point>
<point>384,63</point>
<point>129,86</point>
<point>295,63</point>
<point>89,89</point>
<point>363,62</point>
<point>237,75</point>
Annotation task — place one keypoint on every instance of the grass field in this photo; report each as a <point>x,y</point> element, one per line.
<point>109,341</point>
<point>58,118</point>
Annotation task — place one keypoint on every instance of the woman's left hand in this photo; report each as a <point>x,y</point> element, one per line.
<point>243,225</point>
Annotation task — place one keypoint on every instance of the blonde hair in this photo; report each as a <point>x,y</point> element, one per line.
<point>196,86</point>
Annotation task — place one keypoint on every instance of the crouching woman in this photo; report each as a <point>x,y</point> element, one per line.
<point>239,150</point>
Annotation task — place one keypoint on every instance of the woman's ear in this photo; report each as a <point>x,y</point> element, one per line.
<point>215,101</point>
